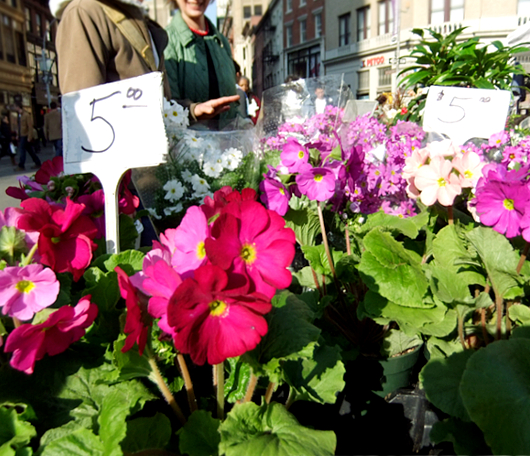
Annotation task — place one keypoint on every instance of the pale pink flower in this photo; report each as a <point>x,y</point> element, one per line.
<point>415,162</point>
<point>445,148</point>
<point>469,165</point>
<point>437,182</point>
<point>26,290</point>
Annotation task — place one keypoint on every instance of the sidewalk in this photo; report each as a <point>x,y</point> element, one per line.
<point>9,177</point>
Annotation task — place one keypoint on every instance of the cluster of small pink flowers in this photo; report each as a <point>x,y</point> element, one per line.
<point>505,147</point>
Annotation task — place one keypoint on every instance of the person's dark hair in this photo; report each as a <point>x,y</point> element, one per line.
<point>53,105</point>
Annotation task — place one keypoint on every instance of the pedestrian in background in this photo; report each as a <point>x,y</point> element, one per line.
<point>6,136</point>
<point>53,129</point>
<point>25,137</point>
<point>253,102</point>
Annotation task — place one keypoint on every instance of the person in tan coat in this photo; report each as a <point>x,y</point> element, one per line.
<point>53,129</point>
<point>25,137</point>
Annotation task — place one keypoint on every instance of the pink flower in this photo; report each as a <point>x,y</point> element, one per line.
<point>224,196</point>
<point>445,148</point>
<point>65,241</point>
<point>294,155</point>
<point>188,242</point>
<point>29,343</point>
<point>318,184</point>
<point>415,162</point>
<point>437,182</point>
<point>215,320</point>
<point>469,165</point>
<point>50,168</point>
<point>24,291</point>
<point>498,139</point>
<point>138,320</point>
<point>95,208</point>
<point>275,195</point>
<point>251,240</point>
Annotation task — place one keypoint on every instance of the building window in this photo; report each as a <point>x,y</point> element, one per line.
<point>289,36</point>
<point>247,12</point>
<point>48,31</point>
<point>21,48</point>
<point>318,25</point>
<point>302,3</point>
<point>447,11</point>
<point>385,76</point>
<point>363,23</point>
<point>29,24</point>
<point>305,63</point>
<point>523,7</point>
<point>344,29</point>
<point>386,17</point>
<point>38,22</point>
<point>288,6</point>
<point>258,10</point>
<point>364,81</point>
<point>9,39</point>
<point>303,31</point>
<point>14,3</point>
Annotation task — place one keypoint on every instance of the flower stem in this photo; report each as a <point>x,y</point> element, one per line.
<point>508,321</point>
<point>251,387</point>
<point>290,398</point>
<point>483,325</point>
<point>30,255</point>
<point>162,386</point>
<point>219,384</point>
<point>268,393</point>
<point>524,253</point>
<point>461,330</point>
<point>315,278</point>
<point>16,322</point>
<point>499,308</point>
<point>325,240</point>
<point>450,216</point>
<point>347,236</point>
<point>192,401</point>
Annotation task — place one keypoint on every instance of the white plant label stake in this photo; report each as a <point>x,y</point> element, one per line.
<point>111,128</point>
<point>463,113</point>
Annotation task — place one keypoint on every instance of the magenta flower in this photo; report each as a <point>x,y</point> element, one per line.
<point>502,206</point>
<point>223,196</point>
<point>215,319</point>
<point>294,155</point>
<point>437,182</point>
<point>275,195</point>
<point>138,320</point>
<point>251,240</point>
<point>95,208</point>
<point>187,242</point>
<point>50,168</point>
<point>318,184</point>
<point>65,240</point>
<point>29,343</point>
<point>24,291</point>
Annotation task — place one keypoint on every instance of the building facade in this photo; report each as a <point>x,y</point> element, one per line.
<point>370,39</point>
<point>304,30</point>
<point>15,75</point>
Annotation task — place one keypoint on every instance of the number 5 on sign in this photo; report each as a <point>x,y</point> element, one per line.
<point>111,128</point>
<point>463,113</point>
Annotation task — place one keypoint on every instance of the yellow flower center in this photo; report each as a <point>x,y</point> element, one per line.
<point>282,191</point>
<point>56,240</point>
<point>201,251</point>
<point>218,309</point>
<point>175,113</point>
<point>468,174</point>
<point>248,253</point>
<point>25,286</point>
<point>301,154</point>
<point>441,182</point>
<point>508,204</point>
<point>318,177</point>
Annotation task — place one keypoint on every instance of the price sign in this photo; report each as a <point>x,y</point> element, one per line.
<point>463,113</point>
<point>111,128</point>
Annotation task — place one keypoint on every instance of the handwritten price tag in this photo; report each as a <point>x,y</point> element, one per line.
<point>463,113</point>
<point>111,128</point>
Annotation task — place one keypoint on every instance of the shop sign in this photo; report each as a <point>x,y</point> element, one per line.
<point>373,61</point>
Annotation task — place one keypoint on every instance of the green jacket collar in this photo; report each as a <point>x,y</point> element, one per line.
<point>186,35</point>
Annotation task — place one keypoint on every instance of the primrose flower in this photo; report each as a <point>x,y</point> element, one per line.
<point>29,343</point>
<point>469,165</point>
<point>175,113</point>
<point>214,318</point>
<point>250,240</point>
<point>498,139</point>
<point>199,184</point>
<point>232,158</point>
<point>294,156</point>
<point>26,290</point>
<point>437,182</point>
<point>317,184</point>
<point>212,169</point>
<point>275,195</point>
<point>175,190</point>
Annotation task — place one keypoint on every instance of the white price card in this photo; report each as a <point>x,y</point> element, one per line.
<point>111,128</point>
<point>463,113</point>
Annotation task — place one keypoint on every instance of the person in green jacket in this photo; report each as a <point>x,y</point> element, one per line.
<point>199,65</point>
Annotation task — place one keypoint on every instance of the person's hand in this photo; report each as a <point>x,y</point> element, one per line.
<point>211,108</point>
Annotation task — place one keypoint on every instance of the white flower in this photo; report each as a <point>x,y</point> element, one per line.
<point>196,154</point>
<point>193,141</point>
<point>186,175</point>
<point>174,209</point>
<point>213,169</point>
<point>201,195</point>
<point>152,213</point>
<point>175,190</point>
<point>233,158</point>
<point>175,114</point>
<point>199,184</point>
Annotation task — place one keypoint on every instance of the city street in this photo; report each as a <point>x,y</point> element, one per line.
<point>9,177</point>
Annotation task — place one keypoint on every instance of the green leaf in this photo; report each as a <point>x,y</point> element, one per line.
<point>82,442</point>
<point>439,348</point>
<point>147,433</point>
<point>397,342</point>
<point>200,436</point>
<point>130,261</point>
<point>407,226</point>
<point>130,364</point>
<point>441,382</point>
<point>466,438</point>
<point>305,224</point>
<point>496,394</point>
<point>449,286</point>
<point>270,430</point>
<point>112,426</point>
<point>305,278</point>
<point>15,433</point>
<point>280,340</point>
<point>128,232</point>
<point>499,258</point>
<point>520,314</point>
<point>318,259</point>
<point>317,378</point>
<point>237,382</point>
